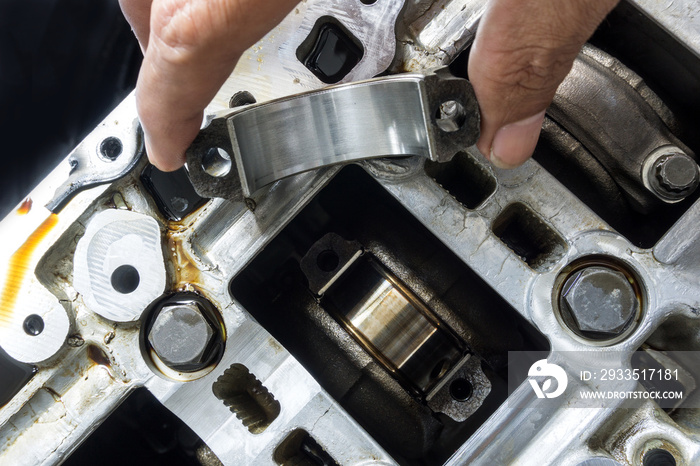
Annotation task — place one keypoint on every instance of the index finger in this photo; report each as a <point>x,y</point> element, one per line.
<point>193,48</point>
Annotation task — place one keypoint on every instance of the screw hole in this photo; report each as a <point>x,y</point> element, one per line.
<point>658,457</point>
<point>216,162</point>
<point>241,98</point>
<point>125,279</point>
<point>368,2</point>
<point>33,325</point>
<point>327,260</point>
<point>450,116</point>
<point>461,389</point>
<point>111,148</point>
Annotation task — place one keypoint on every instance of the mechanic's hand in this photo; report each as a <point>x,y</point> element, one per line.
<point>190,48</point>
<point>523,50</point>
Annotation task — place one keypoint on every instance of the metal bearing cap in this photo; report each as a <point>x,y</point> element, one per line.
<point>36,329</point>
<point>119,267</point>
<point>600,301</point>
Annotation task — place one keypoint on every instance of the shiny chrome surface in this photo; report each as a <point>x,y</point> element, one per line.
<point>393,325</point>
<point>301,134</point>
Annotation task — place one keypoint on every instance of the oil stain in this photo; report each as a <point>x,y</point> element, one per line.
<point>187,274</point>
<point>25,206</point>
<point>98,356</point>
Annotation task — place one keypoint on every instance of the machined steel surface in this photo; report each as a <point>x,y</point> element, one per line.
<point>371,24</point>
<point>103,354</point>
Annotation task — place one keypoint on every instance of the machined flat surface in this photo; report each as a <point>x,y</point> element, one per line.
<point>340,125</point>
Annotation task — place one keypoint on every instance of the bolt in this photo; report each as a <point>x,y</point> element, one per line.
<point>677,173</point>
<point>600,300</point>
<point>182,336</point>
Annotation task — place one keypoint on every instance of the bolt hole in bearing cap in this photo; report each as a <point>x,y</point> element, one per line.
<point>119,268</point>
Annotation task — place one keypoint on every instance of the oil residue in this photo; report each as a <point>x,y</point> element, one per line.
<point>18,267</point>
<point>98,356</point>
<point>187,274</point>
<point>25,206</point>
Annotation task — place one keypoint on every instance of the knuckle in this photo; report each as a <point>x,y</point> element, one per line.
<point>182,30</point>
<point>531,69</point>
<point>193,23</point>
<point>182,26</point>
<point>539,69</point>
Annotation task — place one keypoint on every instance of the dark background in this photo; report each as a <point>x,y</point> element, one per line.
<point>64,64</point>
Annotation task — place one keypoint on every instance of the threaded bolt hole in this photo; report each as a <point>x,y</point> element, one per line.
<point>461,389</point>
<point>450,116</point>
<point>658,457</point>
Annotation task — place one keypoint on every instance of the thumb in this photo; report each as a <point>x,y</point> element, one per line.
<point>523,50</point>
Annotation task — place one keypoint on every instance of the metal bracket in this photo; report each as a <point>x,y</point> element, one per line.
<point>106,154</point>
<point>431,115</point>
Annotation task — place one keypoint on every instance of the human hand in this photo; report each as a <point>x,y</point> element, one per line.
<point>523,50</point>
<point>190,48</point>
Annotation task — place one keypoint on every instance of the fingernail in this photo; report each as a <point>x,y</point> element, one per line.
<point>515,142</point>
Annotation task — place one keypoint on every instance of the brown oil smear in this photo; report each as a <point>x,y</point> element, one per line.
<point>25,206</point>
<point>18,268</point>
<point>98,356</point>
<point>187,274</point>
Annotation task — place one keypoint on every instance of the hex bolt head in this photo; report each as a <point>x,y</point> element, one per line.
<point>181,336</point>
<point>677,173</point>
<point>600,300</point>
